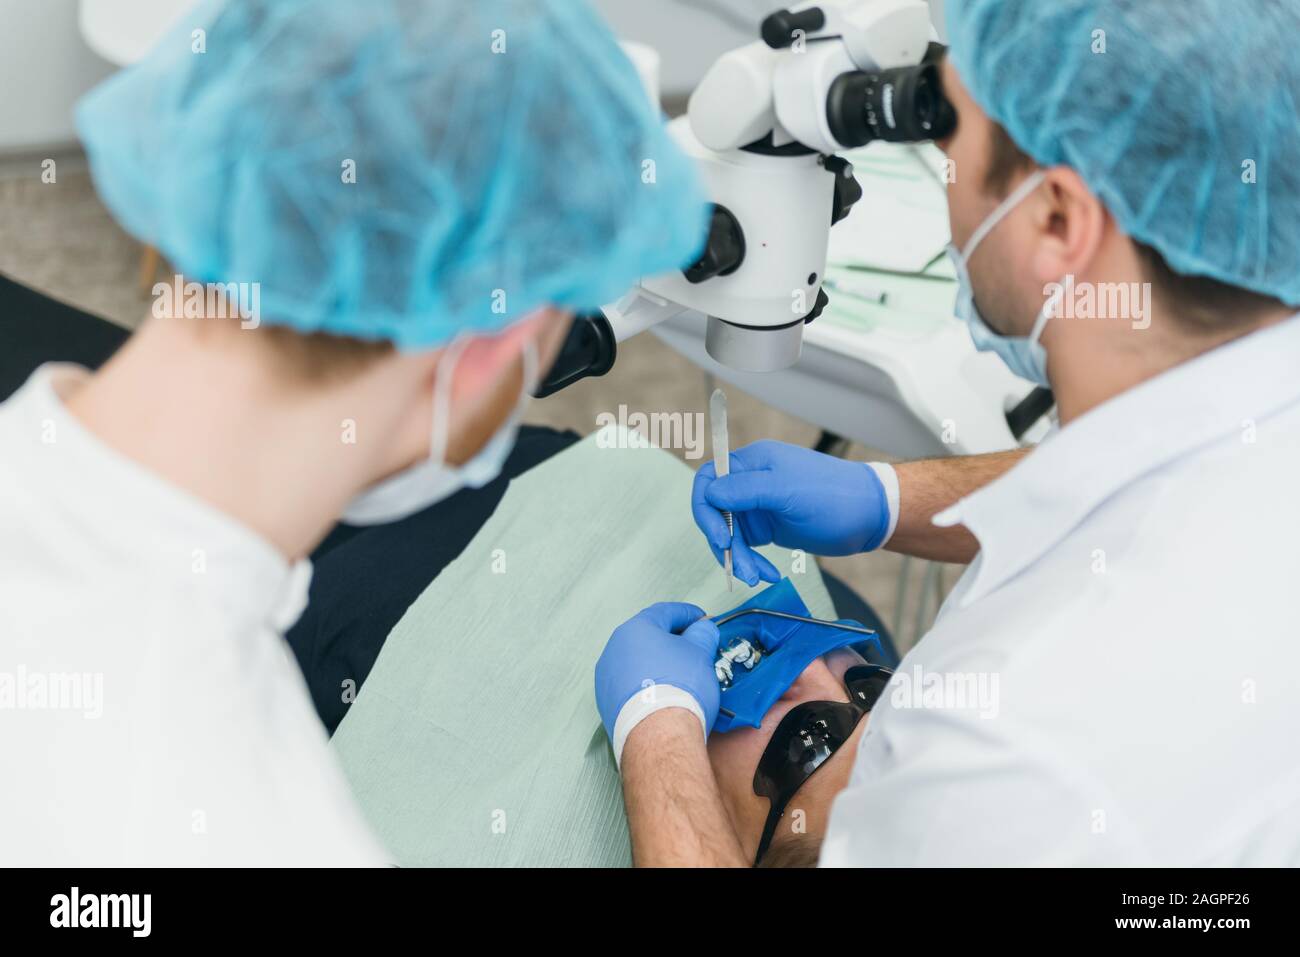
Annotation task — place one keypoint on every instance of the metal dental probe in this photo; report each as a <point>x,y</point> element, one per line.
<point>772,613</point>
<point>721,461</point>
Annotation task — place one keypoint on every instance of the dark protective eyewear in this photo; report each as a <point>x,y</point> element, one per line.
<point>805,740</point>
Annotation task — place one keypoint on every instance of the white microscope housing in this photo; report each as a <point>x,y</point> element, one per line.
<point>760,130</point>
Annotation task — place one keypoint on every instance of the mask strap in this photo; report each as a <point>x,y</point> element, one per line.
<point>530,371</point>
<point>442,391</point>
<point>1049,308</point>
<point>1004,208</point>
<point>442,399</point>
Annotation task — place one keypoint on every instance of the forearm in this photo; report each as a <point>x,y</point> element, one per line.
<point>674,809</point>
<point>927,488</point>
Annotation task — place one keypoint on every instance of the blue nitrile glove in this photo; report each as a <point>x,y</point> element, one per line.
<point>794,497</point>
<point>660,658</point>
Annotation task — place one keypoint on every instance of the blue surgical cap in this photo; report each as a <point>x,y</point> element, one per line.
<point>1180,115</point>
<point>396,169</point>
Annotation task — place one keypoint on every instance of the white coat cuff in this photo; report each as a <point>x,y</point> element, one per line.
<point>645,703</point>
<point>889,479</point>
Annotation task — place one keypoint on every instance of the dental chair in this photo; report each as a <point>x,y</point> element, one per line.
<point>35,329</point>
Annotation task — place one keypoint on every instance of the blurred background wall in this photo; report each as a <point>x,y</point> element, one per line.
<point>46,63</point>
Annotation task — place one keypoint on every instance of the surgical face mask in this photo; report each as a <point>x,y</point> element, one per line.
<point>416,488</point>
<point>1025,356</point>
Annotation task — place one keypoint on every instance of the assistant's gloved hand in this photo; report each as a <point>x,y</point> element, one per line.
<point>660,658</point>
<point>794,497</point>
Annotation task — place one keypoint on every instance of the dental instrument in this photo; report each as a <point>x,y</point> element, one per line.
<point>721,461</point>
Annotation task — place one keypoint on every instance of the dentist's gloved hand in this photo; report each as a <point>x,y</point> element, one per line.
<point>796,498</point>
<point>660,658</point>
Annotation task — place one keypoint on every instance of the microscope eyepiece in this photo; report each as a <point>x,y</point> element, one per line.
<point>902,105</point>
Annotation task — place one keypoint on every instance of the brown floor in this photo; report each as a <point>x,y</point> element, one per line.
<point>58,238</point>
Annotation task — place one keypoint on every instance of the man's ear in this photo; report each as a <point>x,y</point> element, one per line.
<point>1072,224</point>
<point>487,357</point>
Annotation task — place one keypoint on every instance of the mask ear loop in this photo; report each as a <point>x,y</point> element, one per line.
<point>1004,208</point>
<point>442,399</point>
<point>530,371</point>
<point>442,391</point>
<point>1049,312</point>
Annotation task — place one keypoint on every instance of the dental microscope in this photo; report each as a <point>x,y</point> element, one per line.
<point>765,126</point>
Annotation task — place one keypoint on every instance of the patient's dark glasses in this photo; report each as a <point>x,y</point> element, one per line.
<point>805,740</point>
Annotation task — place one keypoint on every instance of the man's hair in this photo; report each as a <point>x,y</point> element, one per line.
<point>1200,304</point>
<point>792,850</point>
<point>318,358</point>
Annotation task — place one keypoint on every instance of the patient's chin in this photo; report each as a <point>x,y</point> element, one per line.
<point>809,811</point>
<point>735,755</point>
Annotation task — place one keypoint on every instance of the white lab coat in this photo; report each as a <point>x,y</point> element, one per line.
<point>150,709</point>
<point>1134,615</point>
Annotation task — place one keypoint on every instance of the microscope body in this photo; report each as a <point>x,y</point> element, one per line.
<point>764,127</point>
<point>760,131</point>
<point>757,291</point>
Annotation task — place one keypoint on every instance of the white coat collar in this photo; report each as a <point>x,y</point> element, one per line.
<point>1020,516</point>
<point>131,516</point>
